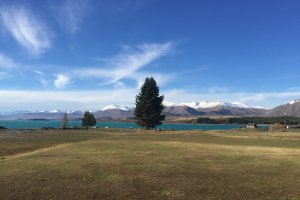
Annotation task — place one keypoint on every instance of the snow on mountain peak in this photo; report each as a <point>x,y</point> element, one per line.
<point>208,104</point>
<point>294,101</point>
<point>193,104</point>
<point>115,107</point>
<point>54,111</point>
<point>202,104</point>
<point>169,104</point>
<point>237,105</point>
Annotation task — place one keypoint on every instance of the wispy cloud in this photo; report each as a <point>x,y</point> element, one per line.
<point>71,13</point>
<point>61,81</point>
<point>27,30</point>
<point>42,77</point>
<point>128,63</point>
<point>6,62</point>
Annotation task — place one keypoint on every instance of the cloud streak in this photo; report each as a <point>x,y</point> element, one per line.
<point>42,77</point>
<point>127,64</point>
<point>25,28</point>
<point>6,62</point>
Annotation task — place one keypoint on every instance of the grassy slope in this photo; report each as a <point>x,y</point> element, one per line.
<point>98,164</point>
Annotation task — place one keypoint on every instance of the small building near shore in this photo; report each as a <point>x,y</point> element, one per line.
<point>251,125</point>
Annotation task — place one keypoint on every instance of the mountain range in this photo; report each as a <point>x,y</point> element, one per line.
<point>205,108</point>
<point>291,108</point>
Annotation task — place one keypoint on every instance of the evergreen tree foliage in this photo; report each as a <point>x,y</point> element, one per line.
<point>64,123</point>
<point>88,119</point>
<point>148,105</point>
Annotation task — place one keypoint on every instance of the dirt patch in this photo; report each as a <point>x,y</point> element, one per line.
<point>20,155</point>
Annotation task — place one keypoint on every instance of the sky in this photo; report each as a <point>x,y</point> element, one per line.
<point>87,54</point>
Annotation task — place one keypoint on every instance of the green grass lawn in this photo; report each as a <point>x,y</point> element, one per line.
<point>123,164</point>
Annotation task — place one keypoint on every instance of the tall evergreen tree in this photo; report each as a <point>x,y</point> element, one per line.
<point>64,123</point>
<point>88,119</point>
<point>148,105</point>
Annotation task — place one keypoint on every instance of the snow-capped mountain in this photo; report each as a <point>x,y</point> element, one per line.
<point>202,104</point>
<point>210,108</point>
<point>208,104</point>
<point>169,104</point>
<point>116,107</point>
<point>293,101</point>
<point>114,111</point>
<point>237,105</point>
<point>291,108</point>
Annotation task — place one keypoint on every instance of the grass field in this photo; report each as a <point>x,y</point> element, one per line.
<point>122,164</point>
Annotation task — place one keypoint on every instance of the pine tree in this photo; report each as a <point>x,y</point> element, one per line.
<point>88,119</point>
<point>92,120</point>
<point>148,105</point>
<point>64,123</point>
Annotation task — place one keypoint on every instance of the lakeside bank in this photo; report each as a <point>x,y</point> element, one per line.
<point>36,124</point>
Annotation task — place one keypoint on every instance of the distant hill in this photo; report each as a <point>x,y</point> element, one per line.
<point>291,108</point>
<point>45,115</point>
<point>114,112</point>
<point>207,108</point>
<point>232,111</point>
<point>181,111</point>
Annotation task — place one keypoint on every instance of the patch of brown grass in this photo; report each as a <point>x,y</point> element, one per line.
<point>103,164</point>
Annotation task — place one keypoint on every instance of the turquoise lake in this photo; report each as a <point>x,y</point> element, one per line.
<point>35,124</point>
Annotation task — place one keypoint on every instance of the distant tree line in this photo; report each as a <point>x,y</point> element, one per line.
<point>246,120</point>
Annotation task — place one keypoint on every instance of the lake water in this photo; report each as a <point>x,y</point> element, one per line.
<point>34,124</point>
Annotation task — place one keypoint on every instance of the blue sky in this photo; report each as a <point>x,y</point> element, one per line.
<point>86,54</point>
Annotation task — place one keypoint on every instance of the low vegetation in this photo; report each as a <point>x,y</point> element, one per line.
<point>126,164</point>
<point>246,120</point>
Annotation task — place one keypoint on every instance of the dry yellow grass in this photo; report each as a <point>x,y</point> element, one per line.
<point>116,164</point>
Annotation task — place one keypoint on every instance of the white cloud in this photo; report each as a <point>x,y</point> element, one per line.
<point>128,63</point>
<point>25,28</point>
<point>6,62</point>
<point>71,14</point>
<point>61,81</point>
